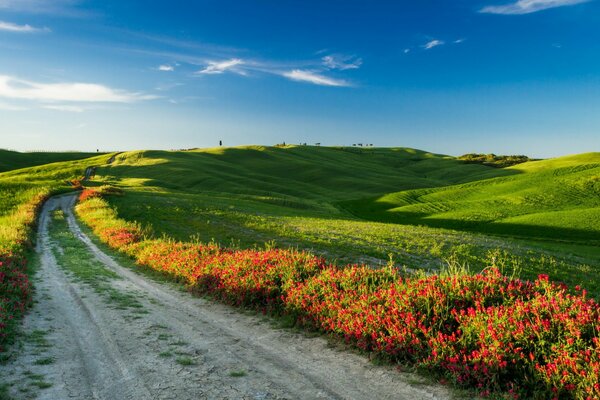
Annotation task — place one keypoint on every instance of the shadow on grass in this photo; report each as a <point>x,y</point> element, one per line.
<point>377,211</point>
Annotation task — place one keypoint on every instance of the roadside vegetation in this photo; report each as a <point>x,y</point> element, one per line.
<point>15,288</point>
<point>74,258</point>
<point>495,333</point>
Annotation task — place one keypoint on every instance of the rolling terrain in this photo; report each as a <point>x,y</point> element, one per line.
<point>10,160</point>
<point>557,198</point>
<point>235,216</point>
<point>335,202</point>
<point>18,185</point>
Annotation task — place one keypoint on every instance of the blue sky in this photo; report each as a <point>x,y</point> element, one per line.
<point>502,76</point>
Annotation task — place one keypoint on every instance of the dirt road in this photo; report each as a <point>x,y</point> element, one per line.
<point>128,337</point>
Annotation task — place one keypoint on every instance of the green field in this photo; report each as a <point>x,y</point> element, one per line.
<point>329,200</point>
<point>353,205</point>
<point>10,160</point>
<point>557,199</point>
<point>19,184</point>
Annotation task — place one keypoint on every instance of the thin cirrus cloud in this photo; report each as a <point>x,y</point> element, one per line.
<point>529,6</point>
<point>341,62</point>
<point>433,43</point>
<point>218,67</point>
<point>11,27</point>
<point>19,89</point>
<point>314,78</point>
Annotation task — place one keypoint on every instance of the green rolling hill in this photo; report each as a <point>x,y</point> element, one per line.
<point>557,198</point>
<point>354,204</point>
<point>311,174</point>
<point>18,185</point>
<point>10,160</point>
<point>363,205</point>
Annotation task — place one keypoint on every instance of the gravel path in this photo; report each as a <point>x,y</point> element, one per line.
<point>174,346</point>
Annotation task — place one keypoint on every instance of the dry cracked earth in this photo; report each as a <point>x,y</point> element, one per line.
<point>99,330</point>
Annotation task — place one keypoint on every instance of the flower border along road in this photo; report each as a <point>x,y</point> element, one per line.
<point>485,331</point>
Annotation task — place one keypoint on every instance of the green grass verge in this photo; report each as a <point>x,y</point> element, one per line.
<point>75,258</point>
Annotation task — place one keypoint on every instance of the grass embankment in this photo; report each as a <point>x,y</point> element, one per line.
<point>250,195</point>
<point>15,288</point>
<point>486,331</point>
<point>22,192</point>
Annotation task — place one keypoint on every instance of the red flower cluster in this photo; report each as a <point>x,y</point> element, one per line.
<point>251,278</point>
<point>88,194</point>
<point>15,293</point>
<point>485,331</point>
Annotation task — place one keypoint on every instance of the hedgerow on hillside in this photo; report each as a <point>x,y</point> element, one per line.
<point>486,331</point>
<point>492,160</point>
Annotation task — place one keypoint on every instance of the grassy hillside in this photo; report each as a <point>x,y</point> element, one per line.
<point>19,185</point>
<point>251,195</point>
<point>10,160</point>
<point>557,199</point>
<point>305,173</point>
<point>250,181</point>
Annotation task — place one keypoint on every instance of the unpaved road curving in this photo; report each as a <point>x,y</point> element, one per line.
<point>172,345</point>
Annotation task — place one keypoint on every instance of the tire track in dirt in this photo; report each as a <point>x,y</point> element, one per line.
<point>106,353</point>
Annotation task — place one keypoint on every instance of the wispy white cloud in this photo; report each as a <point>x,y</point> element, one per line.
<point>433,43</point>
<point>406,51</point>
<point>314,78</point>
<point>11,27</point>
<point>64,107</point>
<point>14,88</point>
<point>459,41</point>
<point>166,68</point>
<point>529,6</point>
<point>334,61</point>
<point>218,67</point>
